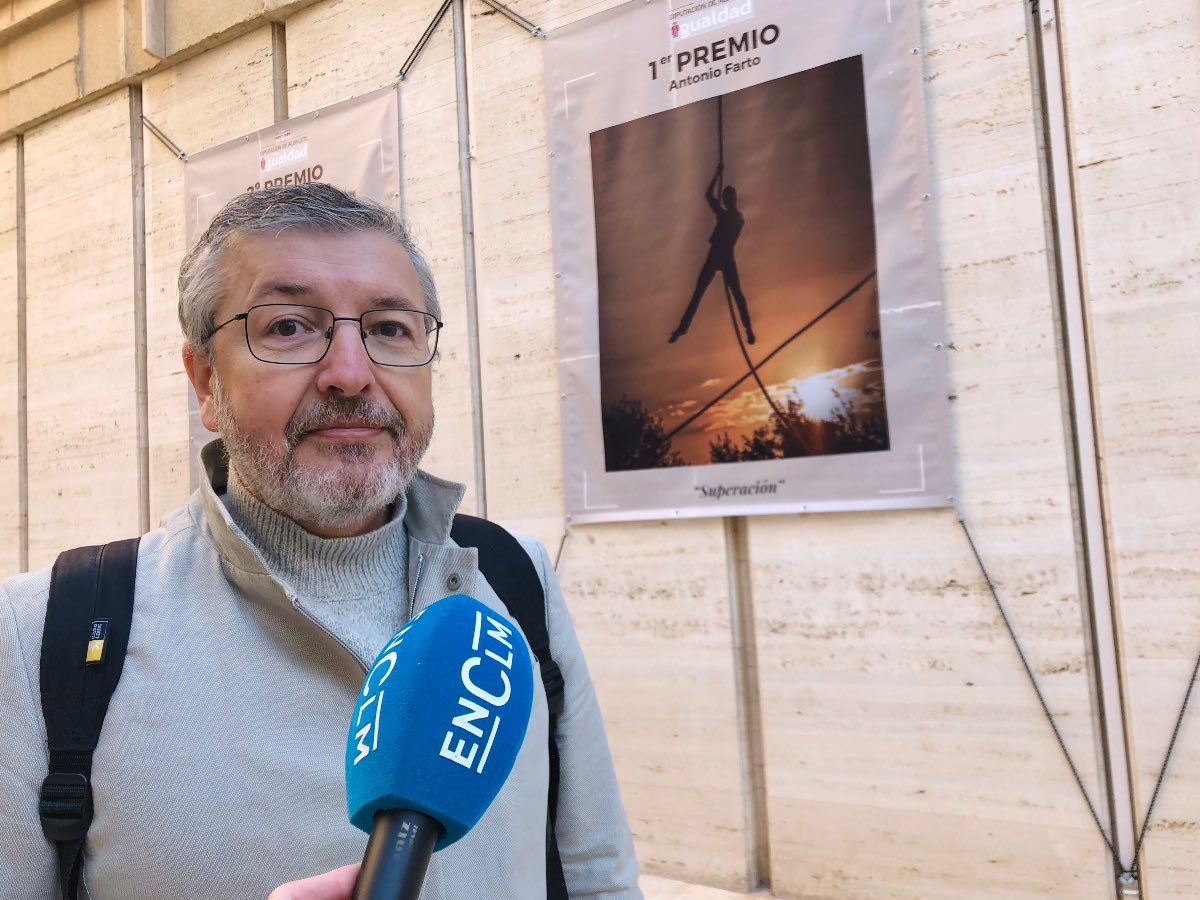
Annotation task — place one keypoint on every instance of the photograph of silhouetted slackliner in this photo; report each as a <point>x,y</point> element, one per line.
<point>738,308</point>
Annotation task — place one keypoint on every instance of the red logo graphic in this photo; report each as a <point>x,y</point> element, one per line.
<point>674,29</point>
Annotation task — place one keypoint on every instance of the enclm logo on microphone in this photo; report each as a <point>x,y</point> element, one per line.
<point>372,690</point>
<point>464,738</point>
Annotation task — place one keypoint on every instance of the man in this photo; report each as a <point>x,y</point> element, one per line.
<point>310,320</point>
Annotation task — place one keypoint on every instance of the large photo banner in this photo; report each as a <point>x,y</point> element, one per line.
<point>354,144</point>
<point>750,316</point>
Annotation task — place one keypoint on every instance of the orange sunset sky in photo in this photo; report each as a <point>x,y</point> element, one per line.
<point>796,151</point>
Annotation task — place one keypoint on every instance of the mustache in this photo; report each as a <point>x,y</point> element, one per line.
<point>337,409</point>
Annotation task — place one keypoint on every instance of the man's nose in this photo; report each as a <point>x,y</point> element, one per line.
<point>346,367</point>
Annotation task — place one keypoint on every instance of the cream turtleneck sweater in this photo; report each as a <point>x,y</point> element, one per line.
<point>354,584</point>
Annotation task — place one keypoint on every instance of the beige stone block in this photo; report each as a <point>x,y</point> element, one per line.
<point>203,102</point>
<point>330,58</point>
<point>68,51</point>
<point>207,23</point>
<point>44,48</point>
<point>20,11</point>
<point>82,439</point>
<point>555,13</point>
<point>10,532</point>
<point>103,50</point>
<point>1135,110</point>
<point>654,622</point>
<point>656,888</point>
<point>906,754</point>
<point>41,95</point>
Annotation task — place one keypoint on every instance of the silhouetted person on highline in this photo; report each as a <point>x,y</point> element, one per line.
<point>720,257</point>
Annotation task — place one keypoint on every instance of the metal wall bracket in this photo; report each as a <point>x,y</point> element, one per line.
<point>166,141</point>
<point>536,30</point>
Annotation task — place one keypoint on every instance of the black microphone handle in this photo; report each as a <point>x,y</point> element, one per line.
<point>397,855</point>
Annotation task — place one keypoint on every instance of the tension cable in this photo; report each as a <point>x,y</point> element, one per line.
<point>1127,878</point>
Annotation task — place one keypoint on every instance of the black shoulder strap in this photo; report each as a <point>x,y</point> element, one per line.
<point>511,573</point>
<point>83,651</point>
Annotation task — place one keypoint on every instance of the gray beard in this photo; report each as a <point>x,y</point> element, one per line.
<point>334,497</point>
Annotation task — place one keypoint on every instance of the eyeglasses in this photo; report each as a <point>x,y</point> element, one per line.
<point>294,335</point>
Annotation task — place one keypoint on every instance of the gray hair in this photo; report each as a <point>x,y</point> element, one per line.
<point>313,206</point>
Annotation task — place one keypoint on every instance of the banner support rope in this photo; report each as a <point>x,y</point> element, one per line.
<point>422,41</point>
<point>535,30</point>
<point>1128,879</point>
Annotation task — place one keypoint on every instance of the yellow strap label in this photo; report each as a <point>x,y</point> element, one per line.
<point>95,651</point>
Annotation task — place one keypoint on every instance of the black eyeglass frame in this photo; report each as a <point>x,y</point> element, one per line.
<point>244,318</point>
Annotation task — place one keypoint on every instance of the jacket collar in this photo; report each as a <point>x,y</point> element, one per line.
<point>429,511</point>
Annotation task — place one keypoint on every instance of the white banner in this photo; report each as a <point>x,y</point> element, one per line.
<point>354,145</point>
<point>750,313</point>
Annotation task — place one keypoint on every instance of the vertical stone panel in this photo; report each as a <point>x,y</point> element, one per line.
<point>10,529</point>
<point>650,600</point>
<point>906,753</point>
<point>82,435</point>
<point>1134,99</point>
<point>333,56</point>
<point>213,98</point>
<point>516,265</point>
<point>516,275</point>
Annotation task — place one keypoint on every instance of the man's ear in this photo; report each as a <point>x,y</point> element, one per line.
<point>200,373</point>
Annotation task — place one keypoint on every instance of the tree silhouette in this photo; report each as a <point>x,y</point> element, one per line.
<point>763,443</point>
<point>789,433</point>
<point>723,450</point>
<point>635,439</point>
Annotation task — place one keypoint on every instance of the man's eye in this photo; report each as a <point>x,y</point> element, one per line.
<point>392,331</point>
<point>286,328</point>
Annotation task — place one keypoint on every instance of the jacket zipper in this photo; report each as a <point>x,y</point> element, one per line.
<point>412,602</point>
<point>300,609</point>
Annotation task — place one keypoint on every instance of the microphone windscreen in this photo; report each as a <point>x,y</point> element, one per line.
<point>440,718</point>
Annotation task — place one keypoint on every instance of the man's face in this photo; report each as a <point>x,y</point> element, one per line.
<point>329,444</point>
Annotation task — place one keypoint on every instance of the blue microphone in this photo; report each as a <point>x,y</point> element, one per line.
<point>440,718</point>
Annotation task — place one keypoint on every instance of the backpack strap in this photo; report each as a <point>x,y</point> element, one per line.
<point>511,573</point>
<point>88,615</point>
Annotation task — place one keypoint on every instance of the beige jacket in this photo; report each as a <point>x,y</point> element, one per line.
<point>219,770</point>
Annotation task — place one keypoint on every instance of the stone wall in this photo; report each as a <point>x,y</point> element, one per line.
<point>904,754</point>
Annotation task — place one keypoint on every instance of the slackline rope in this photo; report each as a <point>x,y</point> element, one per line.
<point>1137,850</point>
<point>798,333</point>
